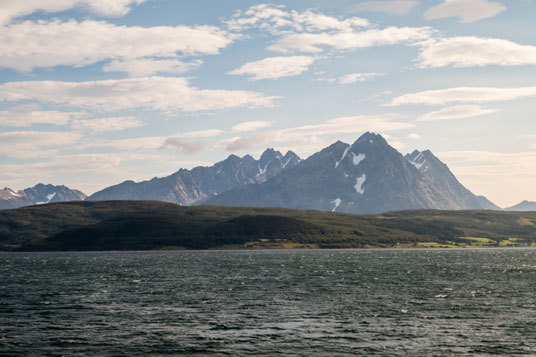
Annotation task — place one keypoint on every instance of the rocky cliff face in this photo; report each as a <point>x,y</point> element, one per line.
<point>449,190</point>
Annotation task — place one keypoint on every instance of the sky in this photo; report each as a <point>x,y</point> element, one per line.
<point>95,92</point>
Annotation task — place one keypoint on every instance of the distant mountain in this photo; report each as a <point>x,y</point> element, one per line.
<point>39,194</point>
<point>368,176</point>
<point>188,187</point>
<point>523,206</point>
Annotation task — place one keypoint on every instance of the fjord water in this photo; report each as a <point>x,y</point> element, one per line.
<point>303,303</point>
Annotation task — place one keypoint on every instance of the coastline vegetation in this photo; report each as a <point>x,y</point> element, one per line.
<point>147,225</point>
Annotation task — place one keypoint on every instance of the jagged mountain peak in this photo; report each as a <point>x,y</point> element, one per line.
<point>194,186</point>
<point>371,138</point>
<point>368,176</point>
<point>269,155</point>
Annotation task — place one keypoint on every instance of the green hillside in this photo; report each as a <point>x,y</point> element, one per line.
<point>142,225</point>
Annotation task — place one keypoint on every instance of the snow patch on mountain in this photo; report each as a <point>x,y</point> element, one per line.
<point>343,156</point>
<point>418,161</point>
<point>358,158</point>
<point>359,184</point>
<point>286,163</point>
<point>337,203</point>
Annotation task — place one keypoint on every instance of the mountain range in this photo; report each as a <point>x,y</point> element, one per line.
<point>368,176</point>
<point>39,194</point>
<point>191,187</point>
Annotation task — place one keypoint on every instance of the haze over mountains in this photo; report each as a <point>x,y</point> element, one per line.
<point>368,176</point>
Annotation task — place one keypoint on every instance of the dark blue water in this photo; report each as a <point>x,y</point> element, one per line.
<point>297,303</point>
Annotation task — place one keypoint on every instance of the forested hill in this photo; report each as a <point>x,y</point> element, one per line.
<point>144,225</point>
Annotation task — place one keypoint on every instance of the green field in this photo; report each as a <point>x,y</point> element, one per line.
<point>143,225</point>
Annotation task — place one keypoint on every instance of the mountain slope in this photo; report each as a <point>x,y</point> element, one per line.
<point>452,192</point>
<point>39,194</point>
<point>187,187</point>
<point>367,177</point>
<point>523,206</point>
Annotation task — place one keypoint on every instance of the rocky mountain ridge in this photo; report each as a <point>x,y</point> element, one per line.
<point>39,194</point>
<point>368,176</point>
<point>195,186</point>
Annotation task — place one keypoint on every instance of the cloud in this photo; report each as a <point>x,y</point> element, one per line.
<point>275,67</point>
<point>464,95</point>
<point>466,10</point>
<point>456,112</point>
<point>393,7</point>
<point>414,136</point>
<point>29,114</point>
<point>149,143</point>
<point>312,42</point>
<point>12,9</point>
<point>165,94</point>
<point>73,43</point>
<point>310,133</point>
<point>188,147</point>
<point>475,51</point>
<point>250,126</point>
<point>35,144</point>
<point>142,67</point>
<point>357,77</point>
<point>106,124</point>
<point>201,133</point>
<point>275,20</point>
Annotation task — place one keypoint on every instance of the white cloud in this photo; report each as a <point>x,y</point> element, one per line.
<point>141,67</point>
<point>159,93</point>
<point>201,133</point>
<point>475,51</point>
<point>275,67</point>
<point>12,9</point>
<point>307,134</point>
<point>250,126</point>
<point>275,19</point>
<point>73,43</point>
<point>35,144</point>
<point>312,42</point>
<point>106,124</point>
<point>456,112</point>
<point>466,10</point>
<point>464,95</point>
<point>393,7</point>
<point>185,146</point>
<point>414,136</point>
<point>150,143</point>
<point>357,77</point>
<point>29,114</point>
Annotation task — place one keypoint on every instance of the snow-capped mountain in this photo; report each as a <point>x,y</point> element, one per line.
<point>39,194</point>
<point>368,176</point>
<point>188,187</point>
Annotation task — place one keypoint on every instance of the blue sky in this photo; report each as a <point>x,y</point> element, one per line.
<point>95,92</point>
